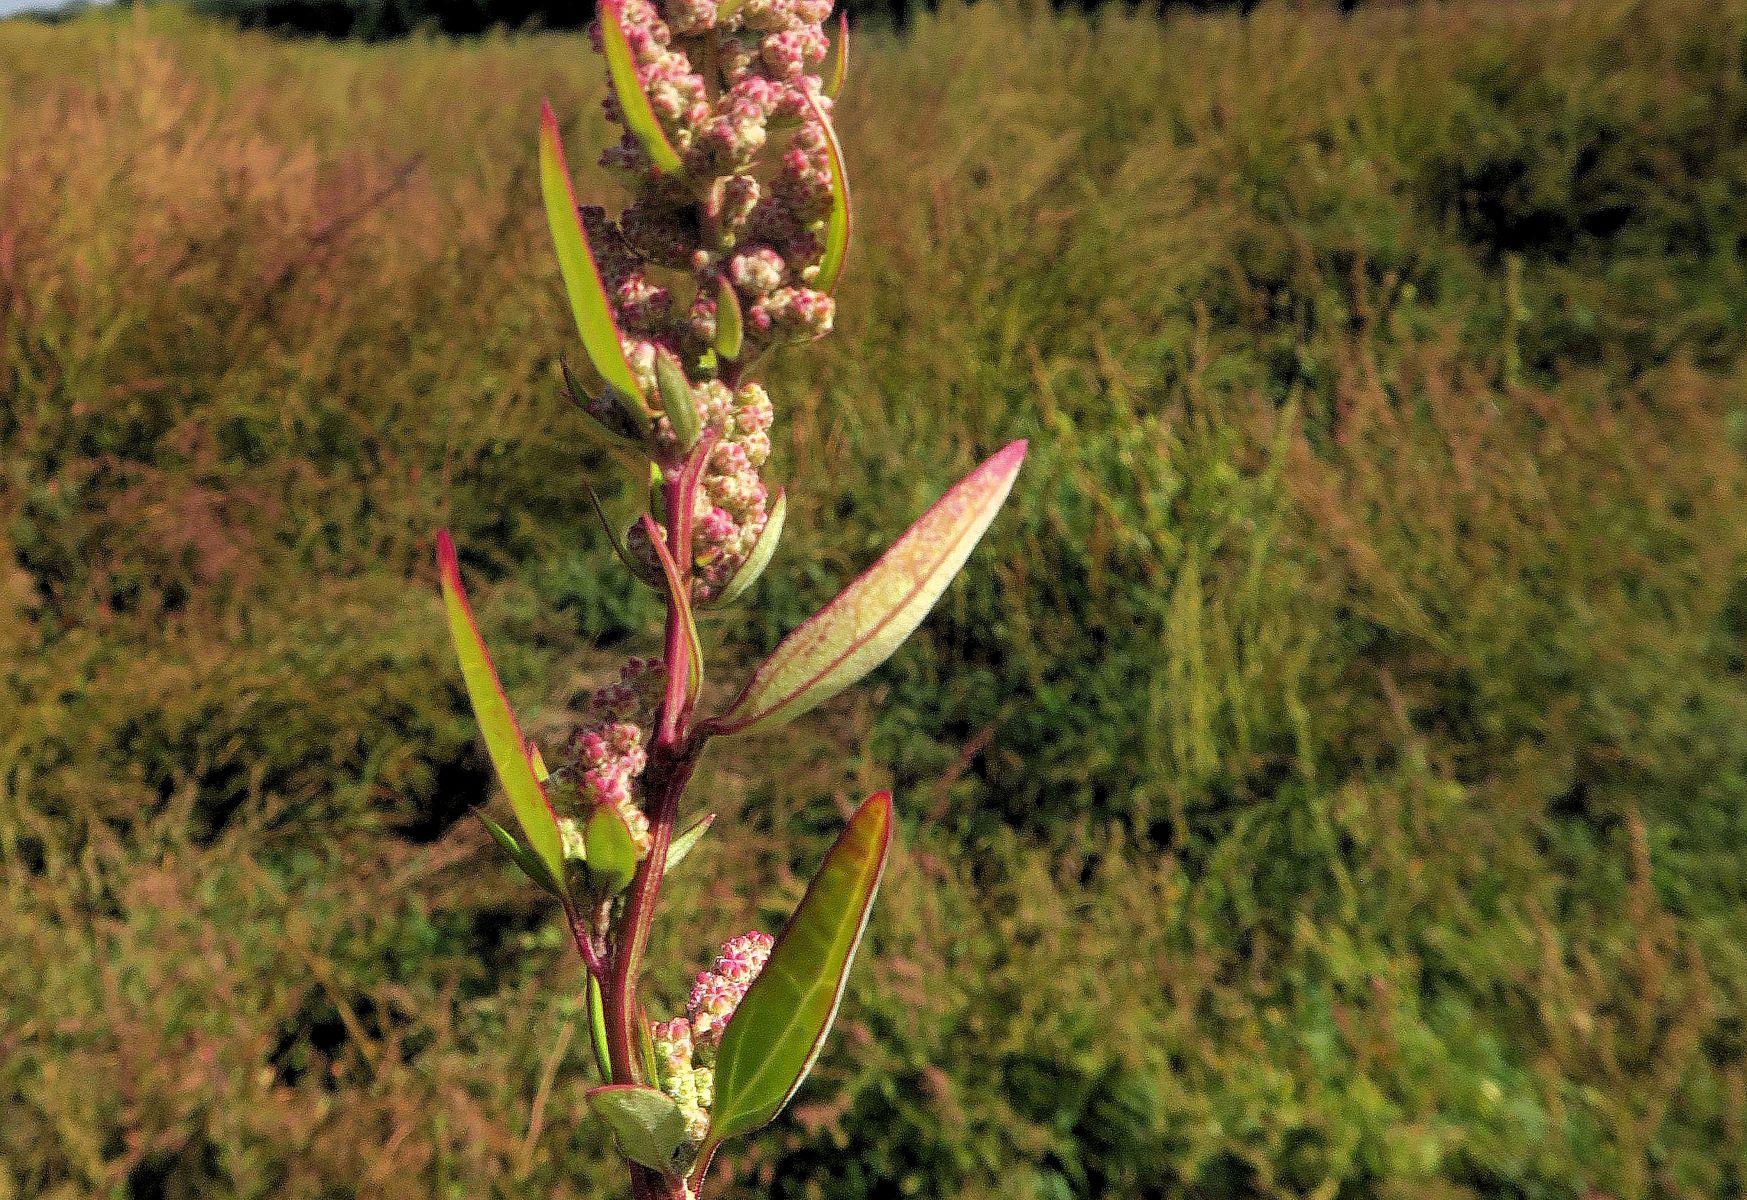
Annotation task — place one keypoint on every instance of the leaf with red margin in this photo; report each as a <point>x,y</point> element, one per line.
<point>503,739</point>
<point>871,617</point>
<point>582,278</point>
<point>676,593</point>
<point>640,118</point>
<point>777,1031</point>
<point>837,220</point>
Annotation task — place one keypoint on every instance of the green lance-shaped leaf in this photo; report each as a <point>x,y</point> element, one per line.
<point>597,1028</point>
<point>520,855</point>
<point>609,851</point>
<point>636,568</point>
<point>582,279</point>
<point>871,617</point>
<point>730,328</point>
<point>647,1122</point>
<point>683,844</point>
<point>840,59</point>
<point>837,220</point>
<point>759,557</point>
<point>676,399</point>
<point>503,739</point>
<point>776,1033</point>
<point>640,118</point>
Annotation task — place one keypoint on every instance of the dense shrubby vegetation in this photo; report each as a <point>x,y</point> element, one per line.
<point>1341,790</point>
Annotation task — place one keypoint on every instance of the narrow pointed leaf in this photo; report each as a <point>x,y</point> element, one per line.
<point>611,855</point>
<point>837,220</point>
<point>635,567</point>
<point>503,740</point>
<point>677,591</point>
<point>762,551</point>
<point>682,845</point>
<point>839,60</point>
<point>647,1122</point>
<point>640,118</point>
<point>519,854</point>
<point>622,450</point>
<point>646,1044</point>
<point>871,617</point>
<point>597,1028</point>
<point>730,330</point>
<point>582,279</point>
<point>776,1034</point>
<point>676,399</point>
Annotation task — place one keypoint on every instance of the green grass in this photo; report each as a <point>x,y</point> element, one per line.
<point>1329,780</point>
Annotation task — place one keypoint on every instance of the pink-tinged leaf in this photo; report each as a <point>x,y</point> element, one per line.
<point>871,617</point>
<point>640,118</point>
<point>837,220</point>
<point>648,1124</point>
<point>503,740</point>
<point>776,1033</point>
<point>582,279</point>
<point>676,593</point>
<point>840,59</point>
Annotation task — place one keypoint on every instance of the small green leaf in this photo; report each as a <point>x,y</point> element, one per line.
<point>837,221</point>
<point>647,1122</point>
<point>682,845</point>
<point>840,58</point>
<point>582,280</point>
<point>676,399</point>
<point>775,1035</point>
<point>597,1028</point>
<point>646,1045</point>
<point>871,617</point>
<point>519,854</point>
<point>611,855</point>
<point>759,557</point>
<point>730,330</point>
<point>503,740</point>
<point>640,118</point>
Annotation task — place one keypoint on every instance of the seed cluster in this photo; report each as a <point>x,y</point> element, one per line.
<point>734,86</point>
<point>685,1047</point>
<point>604,760</point>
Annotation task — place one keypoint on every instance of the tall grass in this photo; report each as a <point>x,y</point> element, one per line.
<point>1332,782</point>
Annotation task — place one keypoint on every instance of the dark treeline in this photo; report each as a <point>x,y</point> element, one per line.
<point>378,20</point>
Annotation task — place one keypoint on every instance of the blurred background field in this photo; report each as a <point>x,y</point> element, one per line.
<point>1329,780</point>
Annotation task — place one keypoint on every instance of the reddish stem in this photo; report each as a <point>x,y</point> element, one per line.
<point>672,758</point>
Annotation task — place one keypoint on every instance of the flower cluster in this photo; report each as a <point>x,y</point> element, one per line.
<point>730,507</point>
<point>735,89</point>
<point>685,1047</point>
<point>604,760</point>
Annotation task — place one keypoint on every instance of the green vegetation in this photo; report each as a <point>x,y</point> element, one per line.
<point>1331,782</point>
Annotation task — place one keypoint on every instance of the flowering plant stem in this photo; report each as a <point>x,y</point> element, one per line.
<point>759,249</point>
